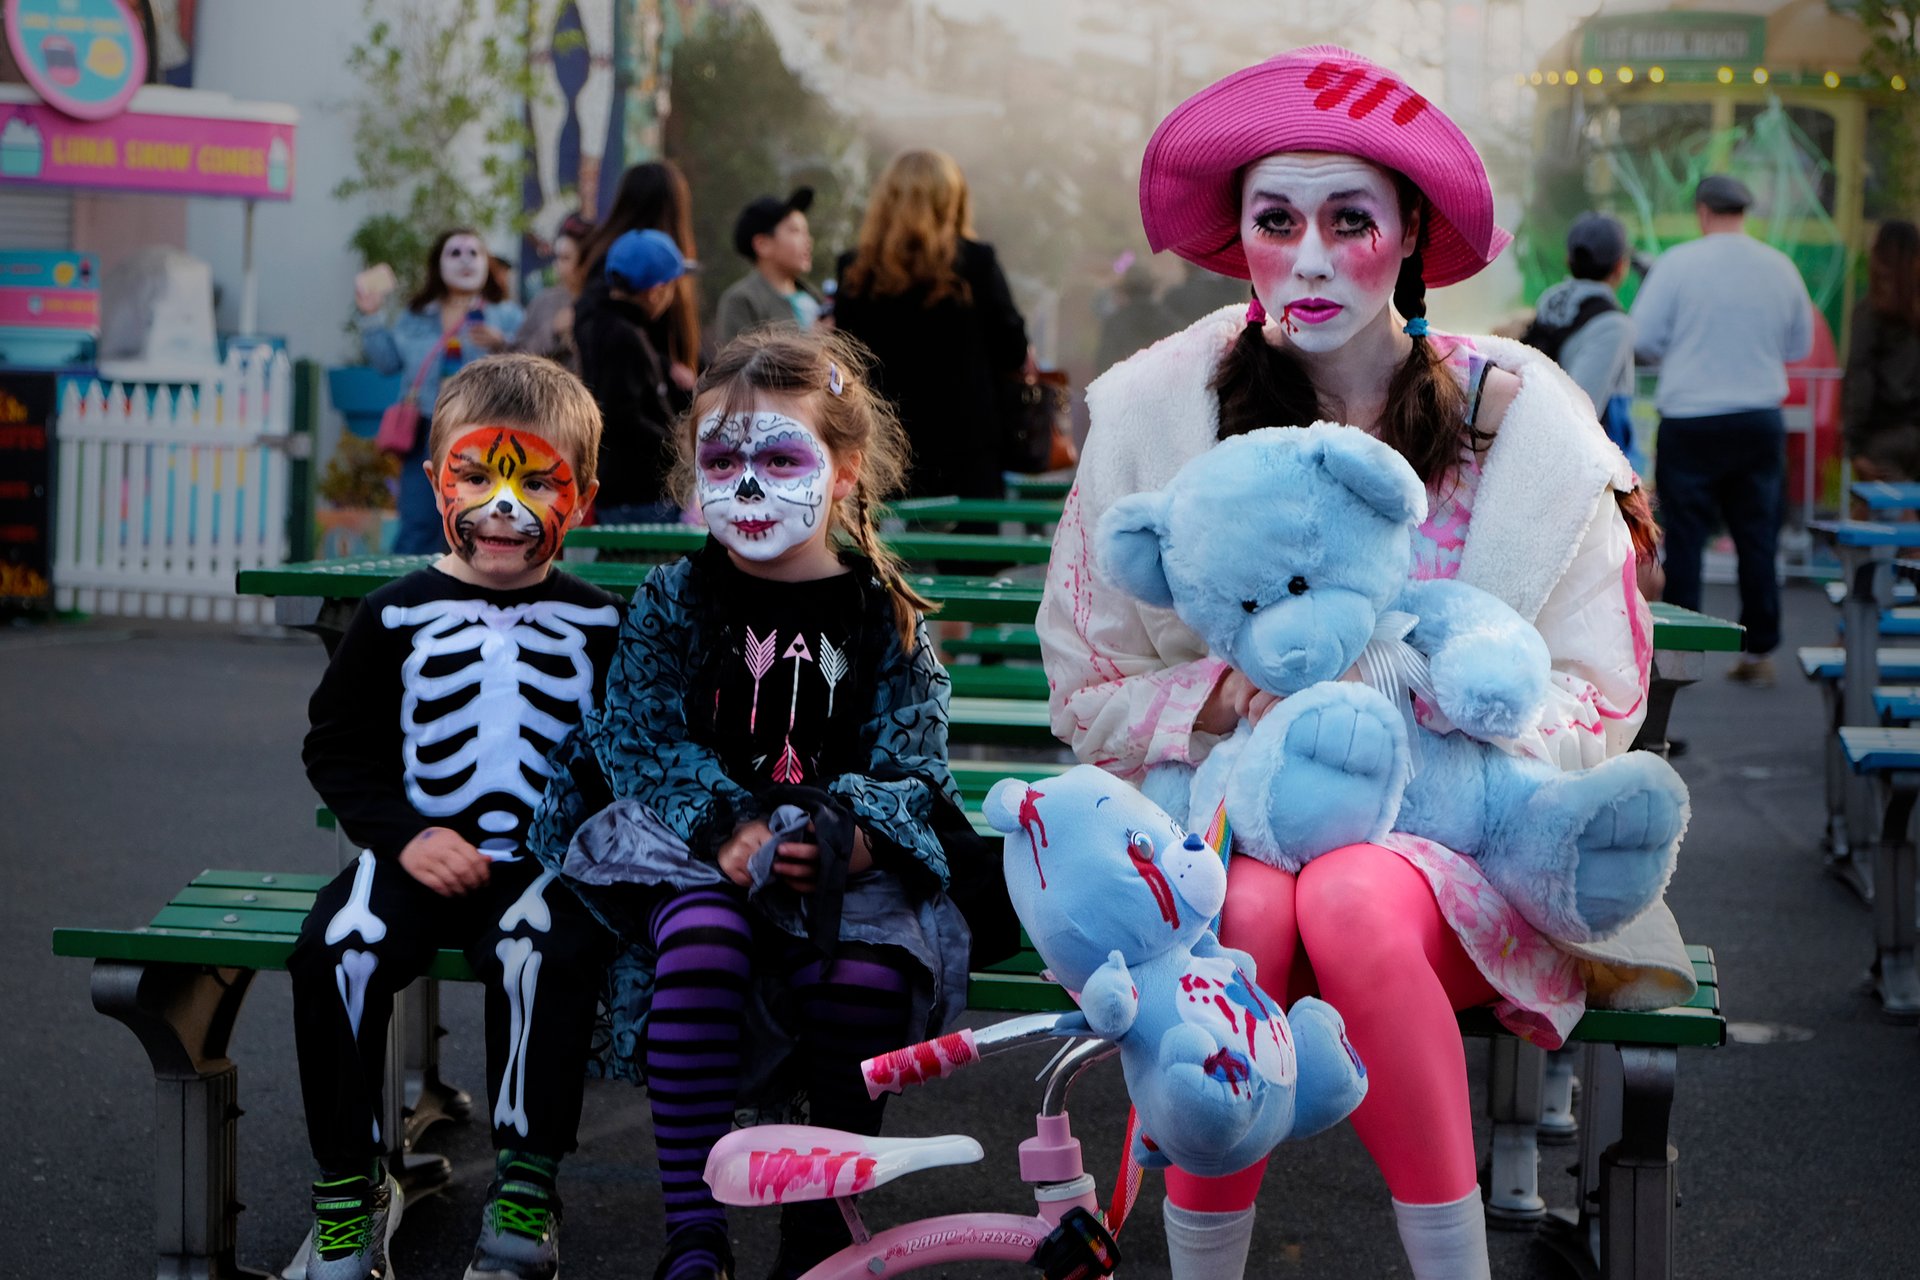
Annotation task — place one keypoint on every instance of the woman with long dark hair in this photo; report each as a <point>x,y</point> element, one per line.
<point>932,304</point>
<point>652,197</point>
<point>1343,196</point>
<point>1882,396</point>
<point>459,314</point>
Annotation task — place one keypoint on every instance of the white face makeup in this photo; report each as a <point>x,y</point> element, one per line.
<point>463,264</point>
<point>1324,240</point>
<point>764,484</point>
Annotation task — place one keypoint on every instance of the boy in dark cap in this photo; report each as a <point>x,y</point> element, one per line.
<point>1580,325</point>
<point>772,235</point>
<point>628,377</point>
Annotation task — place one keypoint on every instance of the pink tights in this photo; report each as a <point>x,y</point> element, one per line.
<point>1379,951</point>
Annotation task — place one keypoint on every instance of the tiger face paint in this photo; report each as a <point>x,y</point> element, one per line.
<point>507,498</point>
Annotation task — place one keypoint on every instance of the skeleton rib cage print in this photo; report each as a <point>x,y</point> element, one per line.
<point>488,691</point>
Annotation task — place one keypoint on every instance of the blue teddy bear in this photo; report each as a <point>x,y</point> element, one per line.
<point>1288,550</point>
<point>1119,901</point>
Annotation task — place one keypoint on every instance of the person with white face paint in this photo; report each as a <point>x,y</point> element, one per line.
<point>457,315</point>
<point>763,808</point>
<point>1342,195</point>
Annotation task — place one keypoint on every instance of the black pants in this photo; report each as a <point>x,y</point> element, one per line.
<point>535,948</point>
<point>1732,465</point>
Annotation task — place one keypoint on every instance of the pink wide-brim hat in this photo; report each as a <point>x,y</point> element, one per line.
<point>1320,98</point>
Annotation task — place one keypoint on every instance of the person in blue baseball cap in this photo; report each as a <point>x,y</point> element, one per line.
<point>628,378</point>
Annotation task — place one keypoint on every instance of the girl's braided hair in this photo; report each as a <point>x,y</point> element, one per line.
<point>857,424</point>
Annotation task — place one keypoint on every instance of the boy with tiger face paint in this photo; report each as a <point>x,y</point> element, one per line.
<point>508,493</point>
<point>507,498</point>
<point>428,736</point>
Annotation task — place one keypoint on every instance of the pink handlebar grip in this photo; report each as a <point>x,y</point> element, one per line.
<point>919,1063</point>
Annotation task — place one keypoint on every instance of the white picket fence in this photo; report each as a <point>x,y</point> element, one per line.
<point>164,494</point>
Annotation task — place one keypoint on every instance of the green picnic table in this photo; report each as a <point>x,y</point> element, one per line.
<point>320,593</point>
<point>303,588</point>
<point>910,545</point>
<point>1049,486</point>
<point>996,510</point>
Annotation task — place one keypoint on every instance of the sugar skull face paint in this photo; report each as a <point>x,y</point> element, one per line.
<point>765,483</point>
<point>463,263</point>
<point>1324,239</point>
<point>507,498</point>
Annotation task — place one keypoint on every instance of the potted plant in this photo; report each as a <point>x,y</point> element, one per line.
<point>356,491</point>
<point>436,87</point>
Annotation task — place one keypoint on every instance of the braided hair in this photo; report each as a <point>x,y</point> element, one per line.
<point>857,424</point>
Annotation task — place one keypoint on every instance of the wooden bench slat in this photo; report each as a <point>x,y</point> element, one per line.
<point>998,681</point>
<point>1829,662</point>
<point>293,880</point>
<point>230,898</point>
<point>229,919</point>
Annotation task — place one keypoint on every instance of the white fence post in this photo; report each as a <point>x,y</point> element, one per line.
<point>164,494</point>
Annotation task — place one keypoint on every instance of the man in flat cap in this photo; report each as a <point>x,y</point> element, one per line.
<point>1724,315</point>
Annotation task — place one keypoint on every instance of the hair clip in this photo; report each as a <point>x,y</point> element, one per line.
<point>1256,314</point>
<point>1417,327</point>
<point>835,383</point>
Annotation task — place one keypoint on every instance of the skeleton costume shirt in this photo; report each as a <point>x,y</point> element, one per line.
<point>443,700</point>
<point>439,709</point>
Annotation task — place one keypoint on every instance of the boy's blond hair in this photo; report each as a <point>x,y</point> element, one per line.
<point>517,390</point>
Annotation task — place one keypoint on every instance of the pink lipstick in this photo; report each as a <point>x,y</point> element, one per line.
<point>1313,310</point>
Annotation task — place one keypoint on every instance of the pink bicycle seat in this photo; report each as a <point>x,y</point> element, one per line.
<point>782,1163</point>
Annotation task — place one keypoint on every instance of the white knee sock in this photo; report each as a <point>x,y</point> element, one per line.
<point>1207,1246</point>
<point>1445,1241</point>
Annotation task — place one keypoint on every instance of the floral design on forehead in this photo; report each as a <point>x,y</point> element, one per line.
<point>527,482</point>
<point>763,481</point>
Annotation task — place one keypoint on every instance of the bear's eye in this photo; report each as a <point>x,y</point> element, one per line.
<point>1297,586</point>
<point>1141,846</point>
<point>1251,606</point>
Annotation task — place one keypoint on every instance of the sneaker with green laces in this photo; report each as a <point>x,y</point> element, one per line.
<point>520,1226</point>
<point>353,1218</point>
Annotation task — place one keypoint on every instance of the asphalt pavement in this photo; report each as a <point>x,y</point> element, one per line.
<point>136,754</point>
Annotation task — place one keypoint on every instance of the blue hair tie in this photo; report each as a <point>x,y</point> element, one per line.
<point>1417,327</point>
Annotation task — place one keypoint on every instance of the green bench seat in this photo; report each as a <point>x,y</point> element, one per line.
<point>250,920</point>
<point>179,981</point>
<point>996,642</point>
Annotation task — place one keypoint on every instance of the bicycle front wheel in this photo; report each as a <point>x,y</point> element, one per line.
<point>936,1242</point>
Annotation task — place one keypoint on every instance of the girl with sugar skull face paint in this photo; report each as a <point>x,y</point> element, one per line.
<point>784,663</point>
<point>1341,194</point>
<point>764,483</point>
<point>458,315</point>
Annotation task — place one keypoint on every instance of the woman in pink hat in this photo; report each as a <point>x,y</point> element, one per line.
<point>1342,195</point>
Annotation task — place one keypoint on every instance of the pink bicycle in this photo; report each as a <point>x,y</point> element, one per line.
<point>1064,1238</point>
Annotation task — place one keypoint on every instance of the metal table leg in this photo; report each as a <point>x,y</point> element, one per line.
<point>183,1016</point>
<point>1638,1184</point>
<point>1867,569</point>
<point>1895,977</point>
<point>1514,1072</point>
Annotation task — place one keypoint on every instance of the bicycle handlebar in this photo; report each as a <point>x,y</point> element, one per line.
<point>919,1063</point>
<point>940,1057</point>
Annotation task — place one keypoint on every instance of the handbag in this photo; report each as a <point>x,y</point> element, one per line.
<point>400,423</point>
<point>1036,431</point>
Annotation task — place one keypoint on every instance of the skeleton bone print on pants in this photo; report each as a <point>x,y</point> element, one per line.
<point>472,728</point>
<point>355,968</point>
<point>521,982</point>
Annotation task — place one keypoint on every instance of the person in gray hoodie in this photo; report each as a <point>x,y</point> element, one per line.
<point>1580,325</point>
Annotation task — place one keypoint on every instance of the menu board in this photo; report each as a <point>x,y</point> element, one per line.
<point>26,415</point>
